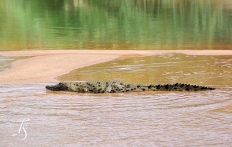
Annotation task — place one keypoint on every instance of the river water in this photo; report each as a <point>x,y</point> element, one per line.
<point>115,24</point>
<point>126,119</point>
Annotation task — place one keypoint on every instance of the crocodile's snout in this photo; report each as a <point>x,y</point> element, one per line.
<point>58,87</point>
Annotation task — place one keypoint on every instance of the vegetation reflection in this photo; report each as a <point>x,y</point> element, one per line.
<point>115,24</point>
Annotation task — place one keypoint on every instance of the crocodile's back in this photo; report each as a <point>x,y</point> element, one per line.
<point>105,86</point>
<point>114,87</point>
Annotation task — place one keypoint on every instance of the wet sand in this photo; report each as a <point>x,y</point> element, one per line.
<point>46,65</point>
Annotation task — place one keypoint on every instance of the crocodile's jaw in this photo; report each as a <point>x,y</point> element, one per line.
<point>58,87</point>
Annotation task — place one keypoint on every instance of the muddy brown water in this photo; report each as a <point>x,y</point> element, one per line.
<point>169,68</point>
<point>125,119</point>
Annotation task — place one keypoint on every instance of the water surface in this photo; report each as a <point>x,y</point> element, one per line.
<point>160,69</point>
<point>115,24</point>
<point>145,119</point>
<point>6,62</point>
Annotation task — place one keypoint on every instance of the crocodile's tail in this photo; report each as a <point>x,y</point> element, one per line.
<point>178,87</point>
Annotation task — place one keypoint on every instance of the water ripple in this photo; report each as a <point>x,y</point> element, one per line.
<point>160,118</point>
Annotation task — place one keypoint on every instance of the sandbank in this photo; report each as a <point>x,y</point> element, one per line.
<point>46,65</point>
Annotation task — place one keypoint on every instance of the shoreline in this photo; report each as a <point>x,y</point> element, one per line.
<point>46,65</point>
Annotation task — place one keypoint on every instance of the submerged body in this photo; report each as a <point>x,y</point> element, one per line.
<point>118,86</point>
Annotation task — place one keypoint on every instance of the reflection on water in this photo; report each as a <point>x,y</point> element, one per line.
<point>115,24</point>
<point>170,68</point>
<point>145,119</point>
<point>131,119</point>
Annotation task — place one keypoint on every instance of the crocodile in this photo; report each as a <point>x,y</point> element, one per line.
<point>118,86</point>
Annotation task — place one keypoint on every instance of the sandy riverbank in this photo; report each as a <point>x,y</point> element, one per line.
<point>45,65</point>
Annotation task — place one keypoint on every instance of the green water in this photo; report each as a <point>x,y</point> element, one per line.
<point>115,24</point>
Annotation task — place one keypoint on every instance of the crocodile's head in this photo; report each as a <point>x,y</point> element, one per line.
<point>59,87</point>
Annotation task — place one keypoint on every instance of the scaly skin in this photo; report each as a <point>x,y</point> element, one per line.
<point>118,86</point>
